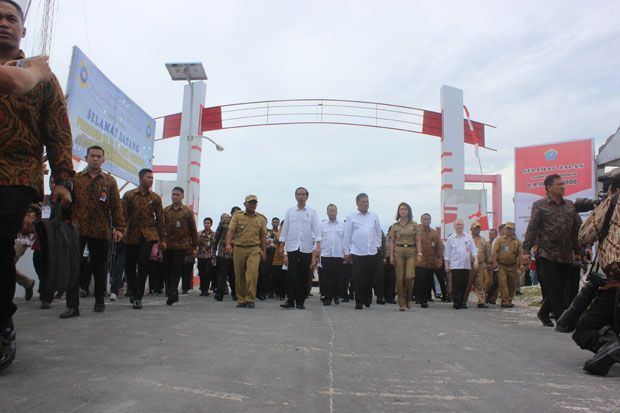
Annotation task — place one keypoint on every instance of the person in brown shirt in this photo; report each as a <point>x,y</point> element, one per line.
<point>430,259</point>
<point>206,257</point>
<point>248,230</point>
<point>477,278</point>
<point>145,226</point>
<point>28,122</point>
<point>404,238</point>
<point>553,228</point>
<point>181,239</point>
<point>98,214</point>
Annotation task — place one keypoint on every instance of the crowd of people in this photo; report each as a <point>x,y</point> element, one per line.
<point>354,258</point>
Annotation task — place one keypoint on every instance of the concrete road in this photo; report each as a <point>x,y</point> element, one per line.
<point>206,356</point>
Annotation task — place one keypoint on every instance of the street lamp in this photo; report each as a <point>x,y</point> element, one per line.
<point>218,147</point>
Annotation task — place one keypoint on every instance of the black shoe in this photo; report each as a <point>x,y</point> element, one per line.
<point>234,297</point>
<point>327,302</point>
<point>346,300</point>
<point>380,301</point>
<point>131,299</point>
<point>250,305</point>
<point>261,297</point>
<point>300,307</point>
<point>544,319</point>
<point>241,305</point>
<point>607,354</point>
<point>359,306</point>
<point>184,292</point>
<point>45,305</point>
<point>59,295</point>
<point>219,297</point>
<point>137,305</point>
<point>482,305</point>
<point>368,302</point>
<point>29,293</point>
<point>8,346</point>
<point>507,305</point>
<point>172,299</point>
<point>204,294</point>
<point>70,313</point>
<point>424,305</point>
<point>456,306</point>
<point>287,304</point>
<point>464,306</point>
<point>99,308</point>
<point>336,300</point>
<point>271,295</point>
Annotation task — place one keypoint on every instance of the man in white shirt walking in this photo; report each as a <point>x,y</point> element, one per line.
<point>362,241</point>
<point>332,255</point>
<point>459,251</point>
<point>301,235</point>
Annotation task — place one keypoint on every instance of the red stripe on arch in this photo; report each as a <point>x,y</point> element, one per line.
<point>194,179</point>
<point>196,148</point>
<point>196,163</point>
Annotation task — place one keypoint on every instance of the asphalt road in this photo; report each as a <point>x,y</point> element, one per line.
<point>201,355</point>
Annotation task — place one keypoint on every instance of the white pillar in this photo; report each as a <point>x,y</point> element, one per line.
<point>452,144</point>
<point>190,146</point>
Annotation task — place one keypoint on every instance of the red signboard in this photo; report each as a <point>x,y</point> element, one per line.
<point>571,160</point>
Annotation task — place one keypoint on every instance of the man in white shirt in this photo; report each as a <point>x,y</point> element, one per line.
<point>301,235</point>
<point>459,252</point>
<point>332,255</point>
<point>362,241</point>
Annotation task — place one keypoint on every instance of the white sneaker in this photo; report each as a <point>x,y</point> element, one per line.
<point>112,297</point>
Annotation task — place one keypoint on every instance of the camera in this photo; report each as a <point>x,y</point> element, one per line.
<point>587,204</point>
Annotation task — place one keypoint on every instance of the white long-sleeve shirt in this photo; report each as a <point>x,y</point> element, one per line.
<point>362,234</point>
<point>332,237</point>
<point>459,251</point>
<point>301,229</point>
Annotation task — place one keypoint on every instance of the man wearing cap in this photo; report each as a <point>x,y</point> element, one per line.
<point>477,277</point>
<point>247,231</point>
<point>507,253</point>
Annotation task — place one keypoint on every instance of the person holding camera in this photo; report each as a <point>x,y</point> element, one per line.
<point>597,328</point>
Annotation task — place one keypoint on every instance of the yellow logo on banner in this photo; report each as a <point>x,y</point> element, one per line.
<point>83,74</point>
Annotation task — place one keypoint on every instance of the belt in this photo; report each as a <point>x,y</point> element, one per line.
<point>405,245</point>
<point>247,246</point>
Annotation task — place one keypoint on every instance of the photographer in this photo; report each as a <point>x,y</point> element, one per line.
<point>597,328</point>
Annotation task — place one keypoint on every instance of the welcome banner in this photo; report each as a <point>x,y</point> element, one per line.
<point>101,114</point>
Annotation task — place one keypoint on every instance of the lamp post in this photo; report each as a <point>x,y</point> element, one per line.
<point>190,148</point>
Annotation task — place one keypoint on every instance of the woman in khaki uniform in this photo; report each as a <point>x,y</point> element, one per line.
<point>403,239</point>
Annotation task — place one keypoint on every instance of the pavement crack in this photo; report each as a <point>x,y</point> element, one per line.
<point>331,362</point>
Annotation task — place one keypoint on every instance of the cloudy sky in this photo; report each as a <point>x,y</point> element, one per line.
<point>539,71</point>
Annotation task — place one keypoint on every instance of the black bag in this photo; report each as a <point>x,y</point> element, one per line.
<point>62,250</point>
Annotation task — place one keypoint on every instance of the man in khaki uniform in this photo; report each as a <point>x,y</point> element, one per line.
<point>477,278</point>
<point>507,253</point>
<point>248,231</point>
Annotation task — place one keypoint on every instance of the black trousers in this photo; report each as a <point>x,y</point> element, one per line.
<point>557,277</point>
<point>379,284</point>
<point>173,270</point>
<point>460,278</point>
<point>137,255</point>
<point>278,280</point>
<point>98,257</point>
<point>156,276</point>
<point>363,275</point>
<point>573,283</point>
<point>441,277</point>
<point>430,284</point>
<point>187,276</point>
<point>330,275</point>
<point>207,273</point>
<point>225,271</point>
<point>598,315</point>
<point>389,282</point>
<point>15,202</point>
<point>346,289</point>
<point>297,276</point>
<point>421,285</point>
